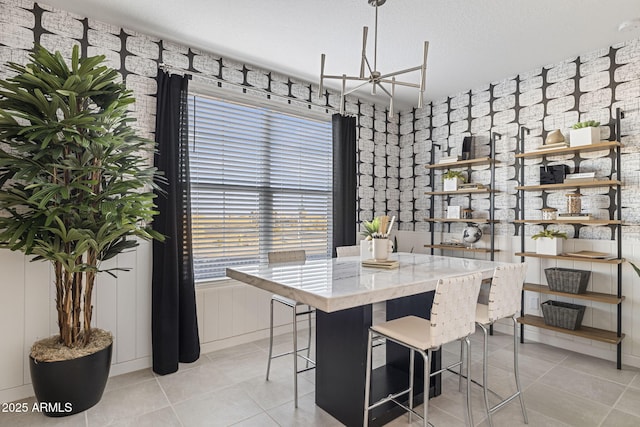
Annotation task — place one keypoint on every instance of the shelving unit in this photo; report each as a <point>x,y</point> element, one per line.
<point>606,336</point>
<point>465,164</point>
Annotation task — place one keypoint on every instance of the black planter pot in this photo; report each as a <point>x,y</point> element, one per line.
<point>70,386</point>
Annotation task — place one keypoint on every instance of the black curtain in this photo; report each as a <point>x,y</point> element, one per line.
<point>174,323</point>
<point>344,181</point>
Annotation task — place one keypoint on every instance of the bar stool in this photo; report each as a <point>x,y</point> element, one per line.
<point>452,318</point>
<point>504,301</point>
<point>342,251</point>
<point>297,309</point>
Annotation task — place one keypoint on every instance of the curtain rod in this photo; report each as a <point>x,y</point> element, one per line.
<point>175,70</point>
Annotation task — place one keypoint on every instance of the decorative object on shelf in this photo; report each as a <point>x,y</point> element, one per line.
<point>549,214</point>
<point>385,82</point>
<point>468,151</point>
<point>471,234</point>
<point>553,174</point>
<point>549,242</point>
<point>452,180</point>
<point>584,133</point>
<point>574,203</point>
<point>567,280</point>
<point>555,139</point>
<point>467,213</point>
<point>453,212</point>
<point>563,314</point>
<point>449,159</point>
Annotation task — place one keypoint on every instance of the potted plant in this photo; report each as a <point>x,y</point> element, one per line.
<point>452,180</point>
<point>75,190</point>
<point>549,242</point>
<point>584,133</point>
<point>377,244</point>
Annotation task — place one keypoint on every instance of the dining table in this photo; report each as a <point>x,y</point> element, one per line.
<point>343,290</point>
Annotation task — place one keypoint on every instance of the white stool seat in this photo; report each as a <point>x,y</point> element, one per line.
<point>412,330</point>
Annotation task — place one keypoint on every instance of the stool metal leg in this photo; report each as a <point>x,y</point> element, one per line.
<point>470,412</point>
<point>412,365</point>
<point>295,357</point>
<point>516,368</point>
<point>308,337</point>
<point>426,357</point>
<point>270,340</point>
<point>461,359</point>
<point>485,387</point>
<point>367,383</point>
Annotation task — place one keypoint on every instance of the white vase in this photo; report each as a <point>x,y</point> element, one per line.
<point>584,136</point>
<point>548,246</point>
<point>380,249</point>
<point>451,184</point>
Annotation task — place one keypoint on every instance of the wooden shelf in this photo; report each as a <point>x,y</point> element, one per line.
<point>594,183</point>
<point>571,258</point>
<point>584,331</point>
<point>471,191</point>
<point>602,145</point>
<point>472,220</point>
<point>590,296</point>
<point>461,248</point>
<point>463,163</point>
<point>568,221</point>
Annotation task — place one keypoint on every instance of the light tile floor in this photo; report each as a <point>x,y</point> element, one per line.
<point>227,388</point>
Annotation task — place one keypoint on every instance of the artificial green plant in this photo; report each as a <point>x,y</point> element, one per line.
<point>75,180</point>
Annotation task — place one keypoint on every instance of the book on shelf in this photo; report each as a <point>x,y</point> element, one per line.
<point>550,146</point>
<point>590,254</point>
<point>580,180</point>
<point>580,175</point>
<point>471,186</point>
<point>449,159</point>
<point>575,217</point>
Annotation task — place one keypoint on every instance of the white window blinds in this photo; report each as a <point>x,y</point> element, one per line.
<point>261,181</point>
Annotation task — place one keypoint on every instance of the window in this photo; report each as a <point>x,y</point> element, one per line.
<point>261,180</point>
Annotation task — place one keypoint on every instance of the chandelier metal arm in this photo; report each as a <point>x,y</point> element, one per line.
<point>375,78</point>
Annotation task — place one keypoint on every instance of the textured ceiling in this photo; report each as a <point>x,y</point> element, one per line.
<point>472,42</point>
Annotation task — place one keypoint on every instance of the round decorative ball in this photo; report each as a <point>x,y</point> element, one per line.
<point>471,234</point>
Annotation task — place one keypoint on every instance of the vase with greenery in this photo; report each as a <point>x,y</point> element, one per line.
<point>584,133</point>
<point>76,184</point>
<point>452,179</point>
<point>549,241</point>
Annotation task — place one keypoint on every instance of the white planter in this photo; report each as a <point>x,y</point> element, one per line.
<point>584,136</point>
<point>380,249</point>
<point>549,246</point>
<point>451,184</point>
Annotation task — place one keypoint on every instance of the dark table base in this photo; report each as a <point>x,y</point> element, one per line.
<point>341,350</point>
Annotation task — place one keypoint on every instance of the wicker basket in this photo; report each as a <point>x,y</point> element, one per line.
<point>567,280</point>
<point>562,314</point>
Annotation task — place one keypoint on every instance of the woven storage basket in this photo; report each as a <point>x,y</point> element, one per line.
<point>563,314</point>
<point>567,280</point>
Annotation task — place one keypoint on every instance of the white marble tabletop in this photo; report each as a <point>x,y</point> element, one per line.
<point>339,283</point>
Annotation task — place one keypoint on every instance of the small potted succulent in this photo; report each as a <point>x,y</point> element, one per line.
<point>549,242</point>
<point>452,180</point>
<point>377,244</point>
<point>584,133</point>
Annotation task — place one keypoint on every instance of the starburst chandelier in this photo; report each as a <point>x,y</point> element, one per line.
<point>385,82</point>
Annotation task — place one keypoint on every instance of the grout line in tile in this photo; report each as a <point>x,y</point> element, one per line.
<point>168,400</point>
